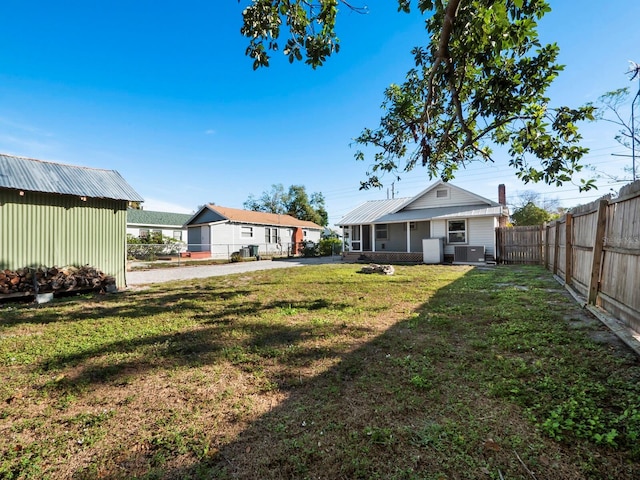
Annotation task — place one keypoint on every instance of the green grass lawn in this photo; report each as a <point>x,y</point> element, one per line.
<point>436,372</point>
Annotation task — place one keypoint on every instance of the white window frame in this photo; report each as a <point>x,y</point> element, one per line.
<point>457,231</point>
<point>246,232</point>
<point>446,193</point>
<point>356,238</point>
<point>271,235</point>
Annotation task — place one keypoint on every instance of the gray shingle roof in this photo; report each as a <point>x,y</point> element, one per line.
<point>32,175</point>
<point>160,219</point>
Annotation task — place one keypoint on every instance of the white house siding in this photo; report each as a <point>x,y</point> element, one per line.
<point>227,238</point>
<point>455,198</point>
<point>482,231</point>
<point>439,230</point>
<point>313,235</point>
<point>224,233</point>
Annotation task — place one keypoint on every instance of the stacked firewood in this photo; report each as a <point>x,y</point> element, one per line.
<point>45,280</point>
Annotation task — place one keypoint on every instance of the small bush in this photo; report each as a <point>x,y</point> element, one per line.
<point>330,246</point>
<point>310,249</point>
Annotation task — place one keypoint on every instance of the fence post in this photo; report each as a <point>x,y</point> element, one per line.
<point>541,245</point>
<point>568,250</point>
<point>556,249</point>
<point>546,246</point>
<point>598,250</point>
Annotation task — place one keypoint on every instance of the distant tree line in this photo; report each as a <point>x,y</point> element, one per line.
<point>295,202</point>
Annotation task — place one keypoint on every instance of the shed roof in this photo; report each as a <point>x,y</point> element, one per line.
<point>21,173</point>
<point>151,218</point>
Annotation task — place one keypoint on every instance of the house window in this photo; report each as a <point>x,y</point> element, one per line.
<point>144,233</point>
<point>177,235</point>
<point>304,233</point>
<point>355,237</point>
<point>442,193</point>
<point>381,232</point>
<point>457,231</point>
<point>413,225</point>
<point>246,232</point>
<point>270,235</point>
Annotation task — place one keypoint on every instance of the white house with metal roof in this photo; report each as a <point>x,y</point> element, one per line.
<point>396,229</point>
<point>53,214</point>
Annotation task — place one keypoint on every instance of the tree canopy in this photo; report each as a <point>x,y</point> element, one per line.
<point>530,214</point>
<point>531,208</point>
<point>479,81</point>
<point>295,202</point>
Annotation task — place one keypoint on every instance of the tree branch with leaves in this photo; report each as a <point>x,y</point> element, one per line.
<point>479,82</point>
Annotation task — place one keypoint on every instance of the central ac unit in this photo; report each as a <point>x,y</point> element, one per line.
<point>468,254</point>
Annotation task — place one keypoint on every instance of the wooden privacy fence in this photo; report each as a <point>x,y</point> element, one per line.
<point>520,244</point>
<point>594,248</point>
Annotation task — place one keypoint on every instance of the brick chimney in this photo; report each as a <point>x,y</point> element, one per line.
<point>502,194</point>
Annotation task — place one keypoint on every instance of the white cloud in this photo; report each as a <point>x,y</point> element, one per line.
<point>209,131</point>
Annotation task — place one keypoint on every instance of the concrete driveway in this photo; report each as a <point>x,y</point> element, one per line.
<point>160,275</point>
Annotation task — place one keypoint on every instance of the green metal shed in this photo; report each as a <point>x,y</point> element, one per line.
<point>57,215</point>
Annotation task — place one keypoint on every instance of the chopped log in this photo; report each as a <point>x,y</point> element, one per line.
<point>375,268</point>
<point>53,279</point>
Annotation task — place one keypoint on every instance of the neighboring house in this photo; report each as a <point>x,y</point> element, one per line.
<point>220,231</point>
<point>394,230</point>
<point>57,215</point>
<point>143,223</point>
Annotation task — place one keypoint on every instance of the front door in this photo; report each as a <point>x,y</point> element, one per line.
<point>366,238</point>
<point>205,238</point>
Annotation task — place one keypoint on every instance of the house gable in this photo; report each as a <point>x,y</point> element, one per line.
<point>442,194</point>
<point>206,215</point>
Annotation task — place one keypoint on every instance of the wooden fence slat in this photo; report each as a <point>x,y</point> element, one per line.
<point>568,252</point>
<point>596,264</point>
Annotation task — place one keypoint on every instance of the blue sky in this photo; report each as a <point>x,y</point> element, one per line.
<point>163,93</point>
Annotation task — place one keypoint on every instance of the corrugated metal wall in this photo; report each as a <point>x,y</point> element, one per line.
<point>40,229</point>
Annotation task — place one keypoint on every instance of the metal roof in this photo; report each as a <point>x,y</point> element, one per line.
<point>370,211</point>
<point>32,175</point>
<point>159,219</point>
<point>441,213</point>
<point>382,211</point>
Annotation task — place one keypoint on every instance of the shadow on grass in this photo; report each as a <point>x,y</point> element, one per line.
<point>413,402</point>
<point>208,343</point>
